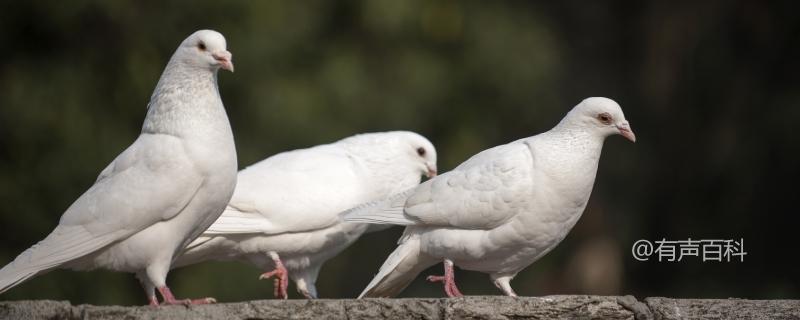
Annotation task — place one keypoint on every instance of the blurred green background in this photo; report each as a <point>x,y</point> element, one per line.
<point>710,87</point>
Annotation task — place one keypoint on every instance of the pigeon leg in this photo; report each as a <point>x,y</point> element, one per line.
<point>169,299</point>
<point>153,301</point>
<point>504,284</point>
<point>307,289</point>
<point>305,279</point>
<point>155,276</point>
<point>149,289</point>
<point>449,280</point>
<point>281,276</point>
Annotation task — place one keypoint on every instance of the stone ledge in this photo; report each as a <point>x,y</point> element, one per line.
<point>473,307</point>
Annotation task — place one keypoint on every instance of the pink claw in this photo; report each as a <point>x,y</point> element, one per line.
<point>281,280</point>
<point>169,299</point>
<point>449,280</point>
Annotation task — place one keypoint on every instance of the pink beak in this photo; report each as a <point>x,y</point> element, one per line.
<point>626,131</point>
<point>431,172</point>
<point>224,58</point>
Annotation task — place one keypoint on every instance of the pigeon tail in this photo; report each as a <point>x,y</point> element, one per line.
<point>64,244</point>
<point>10,277</point>
<point>385,211</point>
<point>195,252</point>
<point>402,266</point>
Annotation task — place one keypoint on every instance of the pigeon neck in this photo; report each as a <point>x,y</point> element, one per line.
<point>571,153</point>
<point>185,99</point>
<point>391,178</point>
<point>186,78</point>
<point>566,160</point>
<point>577,137</point>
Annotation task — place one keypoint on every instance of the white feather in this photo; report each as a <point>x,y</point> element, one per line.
<point>502,209</point>
<point>158,194</point>
<point>288,204</point>
<point>383,211</point>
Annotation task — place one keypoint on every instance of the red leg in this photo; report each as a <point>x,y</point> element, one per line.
<point>169,298</point>
<point>281,277</point>
<point>449,280</point>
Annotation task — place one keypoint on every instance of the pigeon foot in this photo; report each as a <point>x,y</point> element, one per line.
<point>281,278</point>
<point>449,280</point>
<point>169,299</point>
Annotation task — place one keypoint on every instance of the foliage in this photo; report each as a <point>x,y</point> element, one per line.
<point>709,87</point>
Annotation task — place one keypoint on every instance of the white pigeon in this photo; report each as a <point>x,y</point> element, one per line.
<point>160,193</point>
<point>283,215</point>
<point>499,211</point>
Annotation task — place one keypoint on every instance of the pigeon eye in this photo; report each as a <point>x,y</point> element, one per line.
<point>201,46</point>
<point>421,151</point>
<point>605,118</point>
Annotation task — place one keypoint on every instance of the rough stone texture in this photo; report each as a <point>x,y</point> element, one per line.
<point>666,308</point>
<point>492,307</point>
<point>551,307</point>
<point>640,310</point>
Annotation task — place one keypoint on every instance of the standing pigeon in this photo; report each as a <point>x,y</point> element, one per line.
<point>283,216</point>
<point>160,193</point>
<point>499,211</point>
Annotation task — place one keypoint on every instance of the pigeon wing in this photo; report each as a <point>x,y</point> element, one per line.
<point>292,192</point>
<point>151,181</point>
<point>481,193</point>
<point>138,189</point>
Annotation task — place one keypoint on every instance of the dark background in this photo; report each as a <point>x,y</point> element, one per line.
<point>710,88</point>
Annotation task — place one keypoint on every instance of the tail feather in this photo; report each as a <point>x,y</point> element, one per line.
<point>64,244</point>
<point>233,221</point>
<point>199,250</point>
<point>402,266</point>
<point>384,211</point>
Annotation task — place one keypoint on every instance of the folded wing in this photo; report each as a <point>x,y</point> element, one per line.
<point>142,186</point>
<point>481,193</point>
<point>294,191</point>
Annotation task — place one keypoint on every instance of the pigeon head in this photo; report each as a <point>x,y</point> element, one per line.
<point>602,116</point>
<point>420,151</point>
<point>397,149</point>
<point>412,149</point>
<point>206,49</point>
